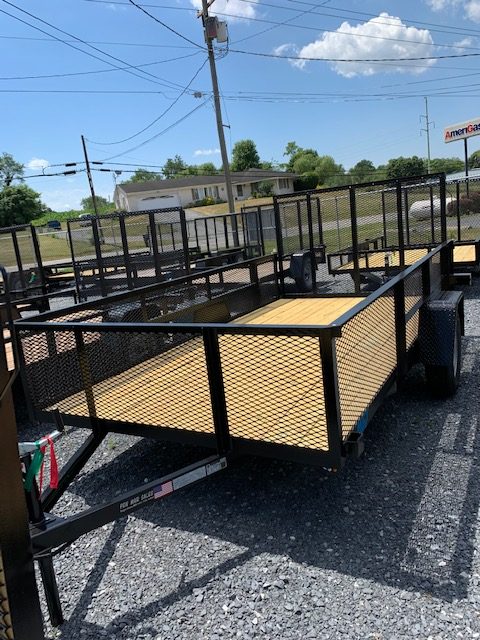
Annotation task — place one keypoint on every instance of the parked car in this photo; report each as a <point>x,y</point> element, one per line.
<point>421,209</point>
<point>85,218</point>
<point>54,225</point>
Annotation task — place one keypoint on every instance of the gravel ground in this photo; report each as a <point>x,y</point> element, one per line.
<point>386,549</point>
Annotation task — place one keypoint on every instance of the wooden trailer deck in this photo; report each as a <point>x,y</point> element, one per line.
<point>273,384</point>
<point>463,255</point>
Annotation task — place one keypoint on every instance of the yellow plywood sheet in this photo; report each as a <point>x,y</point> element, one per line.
<point>377,260</point>
<point>300,311</point>
<point>464,253</point>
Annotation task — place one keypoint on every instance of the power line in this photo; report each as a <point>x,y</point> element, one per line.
<point>165,25</point>
<point>185,89</point>
<point>160,133</point>
<point>84,73</point>
<point>146,73</point>
<point>372,60</point>
<point>382,21</point>
<point>107,42</point>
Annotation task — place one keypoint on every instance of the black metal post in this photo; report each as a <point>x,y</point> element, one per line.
<point>310,240</point>
<point>299,222</point>
<point>320,225</point>
<point>260,230</point>
<point>38,258</point>
<point>126,252</point>
<point>154,246</point>
<point>87,381</point>
<point>98,253</point>
<point>353,222</point>
<point>18,258</point>
<point>465,148</point>
<point>443,208</point>
<point>400,330</point>
<point>278,233</point>
<point>217,389</point>
<point>331,396</point>
<point>384,219</point>
<point>432,214</point>
<point>183,230</point>
<point>457,208</point>
<point>401,242</point>
<point>225,231</point>
<point>407,216</point>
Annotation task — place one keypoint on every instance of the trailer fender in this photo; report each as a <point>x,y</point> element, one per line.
<point>440,330</point>
<point>301,270</point>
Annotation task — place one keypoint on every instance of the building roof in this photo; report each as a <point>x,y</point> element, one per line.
<point>252,175</point>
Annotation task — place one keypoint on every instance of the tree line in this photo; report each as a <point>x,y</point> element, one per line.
<point>19,204</point>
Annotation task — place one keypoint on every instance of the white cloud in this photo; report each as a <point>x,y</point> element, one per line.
<point>37,163</point>
<point>206,152</point>
<point>350,42</point>
<point>473,10</point>
<point>461,44</point>
<point>471,7</point>
<point>244,10</point>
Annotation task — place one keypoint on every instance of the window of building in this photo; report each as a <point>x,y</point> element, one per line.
<point>239,190</point>
<point>283,183</point>
<point>195,194</point>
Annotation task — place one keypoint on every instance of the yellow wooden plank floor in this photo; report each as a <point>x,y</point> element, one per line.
<point>464,253</point>
<point>273,384</point>
<point>377,260</point>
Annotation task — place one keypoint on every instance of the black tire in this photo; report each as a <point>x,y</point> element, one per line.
<point>305,281</point>
<point>443,380</point>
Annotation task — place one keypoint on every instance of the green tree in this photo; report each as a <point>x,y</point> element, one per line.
<point>174,167</point>
<point>19,204</point>
<point>10,170</point>
<point>447,165</point>
<point>305,163</point>
<point>265,188</point>
<point>404,167</point>
<point>207,169</point>
<point>245,156</point>
<point>329,173</point>
<point>142,175</point>
<point>474,160</point>
<point>299,153</point>
<point>363,171</point>
<point>291,149</point>
<point>102,203</point>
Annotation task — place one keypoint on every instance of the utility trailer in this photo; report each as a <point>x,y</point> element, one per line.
<point>234,359</point>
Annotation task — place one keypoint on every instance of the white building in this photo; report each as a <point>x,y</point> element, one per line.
<point>184,192</point>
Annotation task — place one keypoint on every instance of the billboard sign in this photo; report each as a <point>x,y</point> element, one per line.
<point>462,130</point>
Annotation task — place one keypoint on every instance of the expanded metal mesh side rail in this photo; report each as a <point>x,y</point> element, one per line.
<point>356,220</point>
<point>463,210</point>
<point>295,392</point>
<point>125,250</point>
<point>251,282</point>
<point>20,255</point>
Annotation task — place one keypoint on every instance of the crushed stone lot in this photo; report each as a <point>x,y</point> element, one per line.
<point>388,548</point>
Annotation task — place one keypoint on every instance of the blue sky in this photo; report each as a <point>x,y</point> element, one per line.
<point>350,110</point>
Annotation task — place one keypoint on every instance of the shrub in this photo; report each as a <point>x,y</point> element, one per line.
<point>306,182</point>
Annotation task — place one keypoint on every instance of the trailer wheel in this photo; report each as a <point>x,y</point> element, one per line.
<point>304,280</point>
<point>443,380</point>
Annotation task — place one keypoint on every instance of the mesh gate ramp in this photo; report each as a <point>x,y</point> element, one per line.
<point>290,378</point>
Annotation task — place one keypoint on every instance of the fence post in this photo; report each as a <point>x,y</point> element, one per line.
<point>401,242</point>
<point>311,244</point>
<point>407,217</point>
<point>278,233</point>
<point>353,222</point>
<point>432,215</point>
<point>154,246</point>
<point>459,226</point>
<point>183,229</point>
<point>126,254</point>
<point>443,208</point>
<point>98,253</point>
<point>384,219</point>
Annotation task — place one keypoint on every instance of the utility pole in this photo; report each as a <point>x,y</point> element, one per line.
<point>427,130</point>
<point>89,174</point>
<point>216,99</point>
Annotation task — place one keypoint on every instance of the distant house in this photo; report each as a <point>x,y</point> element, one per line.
<point>184,192</point>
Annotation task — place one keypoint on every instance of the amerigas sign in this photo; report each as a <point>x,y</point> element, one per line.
<point>463,130</point>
